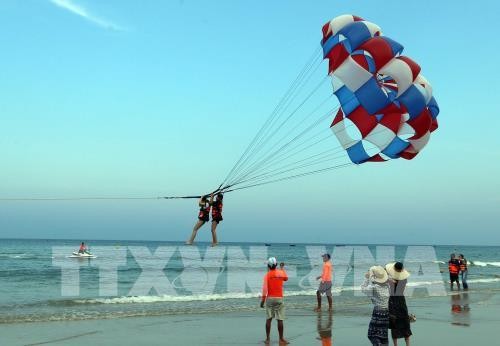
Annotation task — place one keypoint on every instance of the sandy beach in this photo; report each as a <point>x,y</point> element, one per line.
<point>436,324</point>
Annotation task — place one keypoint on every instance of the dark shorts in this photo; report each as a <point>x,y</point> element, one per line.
<point>217,219</point>
<point>325,288</point>
<point>453,277</point>
<point>204,218</point>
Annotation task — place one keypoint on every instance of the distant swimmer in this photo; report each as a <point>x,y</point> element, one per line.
<point>272,298</point>
<point>325,286</point>
<point>203,216</point>
<point>83,248</point>
<point>216,215</point>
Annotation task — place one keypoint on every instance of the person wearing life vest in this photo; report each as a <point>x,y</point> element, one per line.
<point>203,216</point>
<point>272,298</point>
<point>463,271</point>
<point>216,215</point>
<point>454,269</point>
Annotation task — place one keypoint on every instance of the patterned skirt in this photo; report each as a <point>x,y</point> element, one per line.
<point>377,330</point>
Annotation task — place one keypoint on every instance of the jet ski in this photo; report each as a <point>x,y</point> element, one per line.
<point>82,255</point>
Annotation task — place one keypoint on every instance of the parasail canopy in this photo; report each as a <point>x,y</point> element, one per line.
<point>387,108</point>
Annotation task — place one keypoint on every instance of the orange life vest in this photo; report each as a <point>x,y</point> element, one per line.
<point>453,267</point>
<point>463,265</point>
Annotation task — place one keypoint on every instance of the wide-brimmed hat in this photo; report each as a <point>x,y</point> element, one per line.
<point>396,275</point>
<point>378,274</point>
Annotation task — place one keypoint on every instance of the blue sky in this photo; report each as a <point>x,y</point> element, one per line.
<point>130,98</point>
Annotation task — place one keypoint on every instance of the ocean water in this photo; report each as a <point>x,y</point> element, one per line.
<point>32,286</point>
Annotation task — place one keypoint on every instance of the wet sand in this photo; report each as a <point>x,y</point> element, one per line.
<point>453,320</point>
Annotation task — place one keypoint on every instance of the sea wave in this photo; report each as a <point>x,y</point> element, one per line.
<point>484,264</point>
<point>23,256</point>
<point>180,298</point>
<point>484,281</point>
<point>226,296</point>
<point>209,296</point>
<point>16,255</point>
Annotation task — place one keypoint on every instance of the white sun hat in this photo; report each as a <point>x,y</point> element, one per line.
<point>403,274</point>
<point>378,274</point>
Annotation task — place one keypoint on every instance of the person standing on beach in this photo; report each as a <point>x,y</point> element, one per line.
<point>463,271</point>
<point>376,287</point>
<point>203,217</point>
<point>216,215</point>
<point>454,269</point>
<point>325,286</point>
<point>399,321</point>
<point>272,298</point>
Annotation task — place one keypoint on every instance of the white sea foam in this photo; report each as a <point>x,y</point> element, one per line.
<point>226,296</point>
<point>167,298</point>
<point>16,255</point>
<point>484,264</point>
<point>484,280</point>
<point>188,298</point>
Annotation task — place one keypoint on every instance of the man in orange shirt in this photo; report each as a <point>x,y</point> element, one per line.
<point>272,297</point>
<point>325,287</point>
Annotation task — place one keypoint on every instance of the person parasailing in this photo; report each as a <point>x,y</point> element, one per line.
<point>216,215</point>
<point>203,217</point>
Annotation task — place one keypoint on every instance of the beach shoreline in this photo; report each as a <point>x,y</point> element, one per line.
<point>436,321</point>
<point>190,298</point>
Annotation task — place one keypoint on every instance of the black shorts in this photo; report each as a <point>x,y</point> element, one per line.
<point>217,219</point>
<point>453,277</point>
<point>203,218</point>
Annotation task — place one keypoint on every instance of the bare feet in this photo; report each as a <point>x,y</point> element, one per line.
<point>267,342</point>
<point>189,243</point>
<point>214,244</point>
<point>283,342</point>
<point>318,309</point>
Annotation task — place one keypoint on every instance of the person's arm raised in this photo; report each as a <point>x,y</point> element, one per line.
<point>366,287</point>
<point>284,275</point>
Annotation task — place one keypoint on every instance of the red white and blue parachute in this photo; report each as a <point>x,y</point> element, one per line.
<point>387,108</point>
